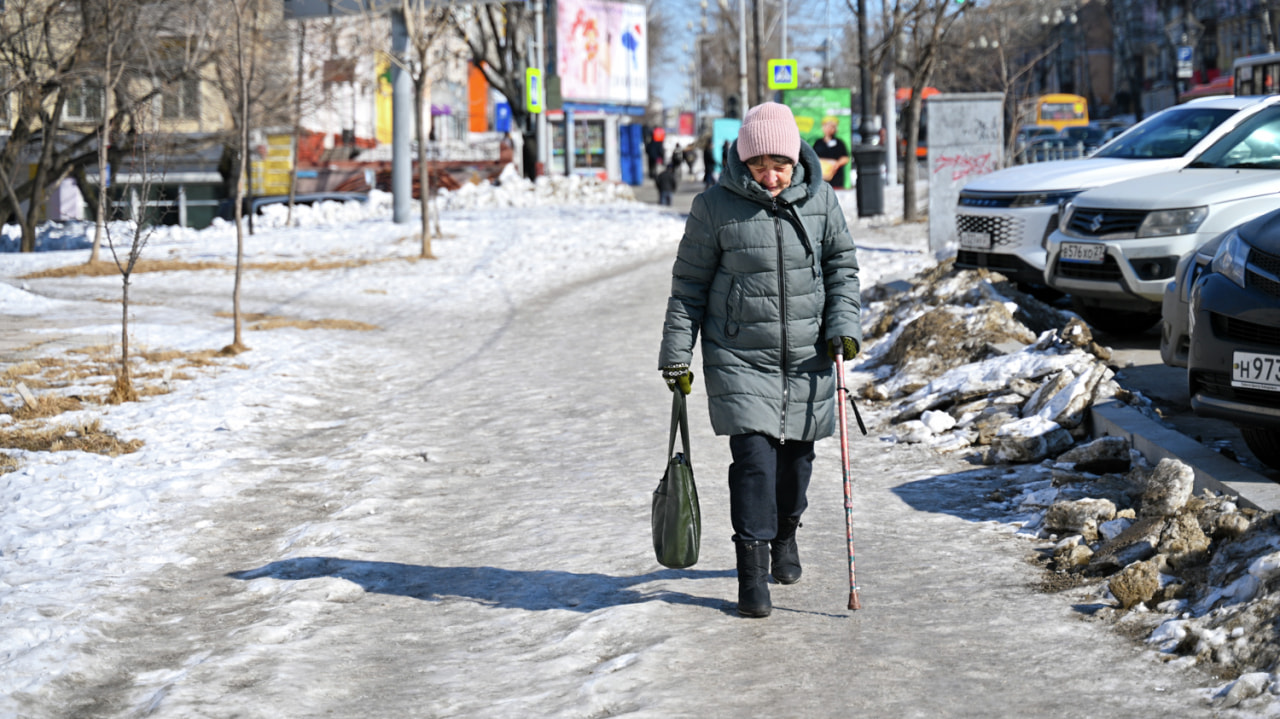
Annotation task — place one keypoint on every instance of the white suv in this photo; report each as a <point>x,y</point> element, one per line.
<point>1117,247</point>
<point>1004,219</point>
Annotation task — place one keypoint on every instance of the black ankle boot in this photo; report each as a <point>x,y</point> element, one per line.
<point>785,554</point>
<point>753,579</point>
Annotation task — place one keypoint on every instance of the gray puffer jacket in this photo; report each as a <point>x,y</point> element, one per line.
<point>767,281</point>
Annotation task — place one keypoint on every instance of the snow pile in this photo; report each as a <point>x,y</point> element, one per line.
<point>956,360</point>
<point>514,190</point>
<point>1199,576</point>
<point>50,237</point>
<point>960,361</point>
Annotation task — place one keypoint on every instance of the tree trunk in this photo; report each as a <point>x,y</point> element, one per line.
<point>297,123</point>
<point>422,116</point>
<point>910,203</point>
<point>125,375</point>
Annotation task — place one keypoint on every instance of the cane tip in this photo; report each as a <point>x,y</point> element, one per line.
<point>854,604</point>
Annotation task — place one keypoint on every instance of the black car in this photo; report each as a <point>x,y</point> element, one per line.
<point>1233,362</point>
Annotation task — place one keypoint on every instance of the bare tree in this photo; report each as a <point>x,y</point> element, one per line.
<point>62,60</point>
<point>43,53</point>
<point>146,163</point>
<point>248,85</point>
<point>428,24</point>
<point>997,48</point>
<point>298,93</point>
<point>113,20</point>
<point>926,25</point>
<point>498,37</point>
<point>241,73</point>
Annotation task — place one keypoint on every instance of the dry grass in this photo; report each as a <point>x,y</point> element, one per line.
<point>47,405</point>
<point>106,268</point>
<point>259,321</point>
<point>80,437</point>
<point>7,463</point>
<point>53,379</point>
<point>122,391</point>
<point>294,266</point>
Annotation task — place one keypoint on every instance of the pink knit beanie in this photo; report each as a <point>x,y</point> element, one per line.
<point>769,129</point>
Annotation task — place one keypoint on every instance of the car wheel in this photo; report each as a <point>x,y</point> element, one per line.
<point>1116,322</point>
<point>1264,442</point>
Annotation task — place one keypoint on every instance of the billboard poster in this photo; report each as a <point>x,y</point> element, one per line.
<point>811,106</point>
<point>602,55</point>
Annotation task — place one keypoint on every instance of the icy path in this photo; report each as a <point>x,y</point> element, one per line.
<point>451,519</point>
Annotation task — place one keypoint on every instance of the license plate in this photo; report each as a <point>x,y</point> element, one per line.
<point>1255,371</point>
<point>975,240</point>
<point>1083,252</point>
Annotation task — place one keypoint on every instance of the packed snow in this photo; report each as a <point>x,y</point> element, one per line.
<point>469,475</point>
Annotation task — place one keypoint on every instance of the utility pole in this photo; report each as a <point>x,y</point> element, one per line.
<point>755,32</point>
<point>540,131</point>
<point>784,30</point>
<point>742,55</point>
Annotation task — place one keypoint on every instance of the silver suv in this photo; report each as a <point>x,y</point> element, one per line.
<point>1004,219</point>
<point>1117,247</point>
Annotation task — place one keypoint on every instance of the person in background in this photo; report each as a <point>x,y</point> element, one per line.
<point>767,275</point>
<point>690,155</point>
<point>666,182</point>
<point>708,166</point>
<point>654,152</point>
<point>833,153</point>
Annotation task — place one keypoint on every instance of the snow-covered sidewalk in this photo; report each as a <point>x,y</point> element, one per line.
<point>448,515</point>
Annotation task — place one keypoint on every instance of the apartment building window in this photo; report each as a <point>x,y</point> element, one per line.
<point>181,100</point>
<point>84,101</point>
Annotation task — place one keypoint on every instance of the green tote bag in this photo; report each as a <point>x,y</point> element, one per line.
<point>677,519</point>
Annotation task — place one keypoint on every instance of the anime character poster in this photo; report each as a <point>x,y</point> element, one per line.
<point>602,51</point>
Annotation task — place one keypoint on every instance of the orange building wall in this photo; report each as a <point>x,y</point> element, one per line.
<point>477,100</point>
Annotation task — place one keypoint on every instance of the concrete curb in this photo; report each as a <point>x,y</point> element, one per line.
<point>1156,442</point>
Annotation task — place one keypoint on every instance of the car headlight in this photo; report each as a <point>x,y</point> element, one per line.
<point>1040,199</point>
<point>1173,222</point>
<point>1231,258</point>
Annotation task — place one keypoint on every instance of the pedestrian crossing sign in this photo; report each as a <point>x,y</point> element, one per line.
<point>533,90</point>
<point>784,75</point>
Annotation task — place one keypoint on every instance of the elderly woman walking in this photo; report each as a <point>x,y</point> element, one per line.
<point>767,274</point>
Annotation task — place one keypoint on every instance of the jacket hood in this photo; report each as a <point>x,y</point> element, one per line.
<point>806,179</point>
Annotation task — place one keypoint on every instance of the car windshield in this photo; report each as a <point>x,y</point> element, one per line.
<point>1254,144</point>
<point>1171,133</point>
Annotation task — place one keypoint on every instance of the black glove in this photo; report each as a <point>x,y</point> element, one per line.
<point>849,345</point>
<point>679,377</point>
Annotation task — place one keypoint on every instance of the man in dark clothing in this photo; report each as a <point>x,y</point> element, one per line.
<point>654,151</point>
<point>832,153</point>
<point>666,182</point>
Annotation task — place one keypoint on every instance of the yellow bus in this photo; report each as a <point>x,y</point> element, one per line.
<point>1059,110</point>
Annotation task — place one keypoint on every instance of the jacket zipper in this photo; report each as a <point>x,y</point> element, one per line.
<point>782,305</point>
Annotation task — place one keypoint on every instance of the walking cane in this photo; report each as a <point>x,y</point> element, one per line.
<point>842,396</point>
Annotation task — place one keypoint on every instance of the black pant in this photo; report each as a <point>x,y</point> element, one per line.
<point>768,481</point>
